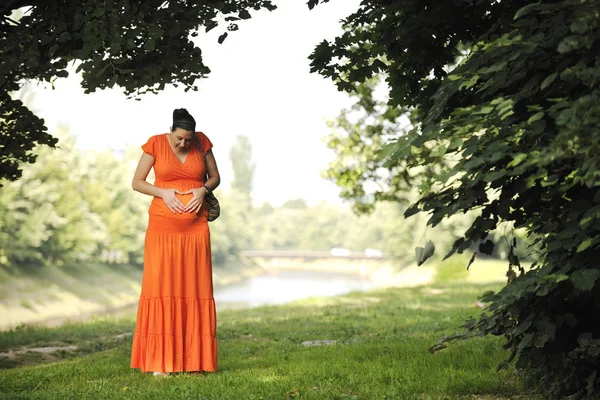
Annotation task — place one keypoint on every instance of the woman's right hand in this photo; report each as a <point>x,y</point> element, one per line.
<point>174,204</point>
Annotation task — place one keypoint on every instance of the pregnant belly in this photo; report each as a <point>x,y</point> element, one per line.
<point>158,207</point>
<point>185,198</point>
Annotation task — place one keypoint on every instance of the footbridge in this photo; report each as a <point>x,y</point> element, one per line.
<point>355,262</point>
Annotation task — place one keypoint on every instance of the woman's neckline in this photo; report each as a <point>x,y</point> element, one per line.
<point>187,154</point>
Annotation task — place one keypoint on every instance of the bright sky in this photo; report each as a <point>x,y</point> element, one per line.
<point>260,86</point>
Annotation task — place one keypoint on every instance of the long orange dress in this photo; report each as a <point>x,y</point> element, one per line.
<point>176,318</point>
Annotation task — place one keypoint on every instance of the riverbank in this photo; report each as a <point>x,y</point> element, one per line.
<point>52,295</point>
<point>371,345</point>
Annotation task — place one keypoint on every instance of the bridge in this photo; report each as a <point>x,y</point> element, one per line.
<point>354,262</point>
<point>309,254</point>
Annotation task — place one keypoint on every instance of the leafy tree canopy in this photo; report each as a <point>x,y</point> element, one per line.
<point>140,46</point>
<point>506,121</point>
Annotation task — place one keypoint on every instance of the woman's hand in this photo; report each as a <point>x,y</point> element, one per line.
<point>196,201</point>
<point>174,204</point>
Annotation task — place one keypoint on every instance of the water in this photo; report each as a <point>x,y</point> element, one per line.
<point>268,289</point>
<point>285,286</point>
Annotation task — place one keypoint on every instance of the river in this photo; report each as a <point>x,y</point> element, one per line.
<point>285,286</point>
<point>277,287</point>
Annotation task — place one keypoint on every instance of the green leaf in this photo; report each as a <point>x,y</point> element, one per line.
<point>549,79</point>
<point>456,143</point>
<point>429,250</point>
<point>100,71</point>
<point>150,45</point>
<point>379,65</point>
<point>424,253</point>
<point>53,49</point>
<point>535,117</point>
<point>499,66</point>
<point>210,26</point>
<point>525,10</point>
<point>522,327</point>
<point>585,244</point>
<point>98,12</point>
<point>517,159</point>
<point>419,254</point>
<point>387,150</point>
<point>584,279</point>
<point>585,339</point>
<point>64,37</point>
<point>222,38</point>
<point>244,14</point>
<point>46,40</point>
<point>542,290</point>
<point>485,110</point>
<point>579,27</point>
<point>466,84</point>
<point>494,175</point>
<point>312,4</point>
<point>412,210</point>
<point>538,127</point>
<point>473,163</point>
<point>487,247</point>
<point>541,340</point>
<point>529,8</point>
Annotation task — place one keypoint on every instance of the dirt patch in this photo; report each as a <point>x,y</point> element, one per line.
<point>39,355</point>
<point>11,355</point>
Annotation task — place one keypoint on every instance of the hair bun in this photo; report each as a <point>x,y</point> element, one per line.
<point>182,119</point>
<point>180,112</point>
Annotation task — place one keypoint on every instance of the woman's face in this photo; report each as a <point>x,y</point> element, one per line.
<point>182,138</point>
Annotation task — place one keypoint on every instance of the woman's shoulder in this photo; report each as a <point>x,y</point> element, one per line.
<point>157,139</point>
<point>154,144</point>
<point>206,143</point>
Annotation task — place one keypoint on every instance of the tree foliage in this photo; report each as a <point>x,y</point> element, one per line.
<point>140,46</point>
<point>325,226</point>
<point>357,135</point>
<point>242,165</point>
<point>507,118</point>
<point>45,217</point>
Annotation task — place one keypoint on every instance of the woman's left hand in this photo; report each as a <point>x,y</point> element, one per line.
<point>196,201</point>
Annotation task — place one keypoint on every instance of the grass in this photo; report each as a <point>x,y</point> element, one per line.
<point>380,351</point>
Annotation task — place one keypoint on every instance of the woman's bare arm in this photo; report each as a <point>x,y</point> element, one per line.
<point>139,184</point>
<point>214,179</point>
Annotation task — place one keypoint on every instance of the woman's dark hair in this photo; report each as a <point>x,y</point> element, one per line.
<point>182,119</point>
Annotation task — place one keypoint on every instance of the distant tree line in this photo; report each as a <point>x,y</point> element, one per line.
<point>76,206</point>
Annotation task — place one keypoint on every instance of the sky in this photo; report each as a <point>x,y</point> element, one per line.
<point>260,86</point>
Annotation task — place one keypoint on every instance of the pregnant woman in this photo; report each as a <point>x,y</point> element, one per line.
<point>176,319</point>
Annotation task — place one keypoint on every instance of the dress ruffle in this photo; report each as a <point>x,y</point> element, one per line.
<point>175,334</point>
<point>176,318</point>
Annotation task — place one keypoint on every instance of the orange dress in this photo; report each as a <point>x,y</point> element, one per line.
<point>176,318</point>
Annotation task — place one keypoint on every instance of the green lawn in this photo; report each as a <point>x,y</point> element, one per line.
<point>380,352</point>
